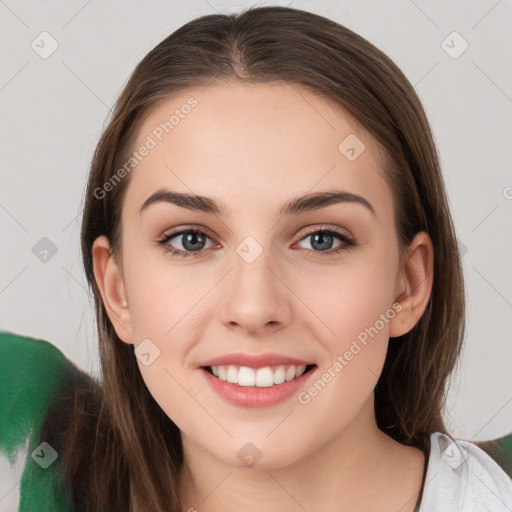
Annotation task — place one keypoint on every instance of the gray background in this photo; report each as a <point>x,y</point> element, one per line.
<point>53,111</point>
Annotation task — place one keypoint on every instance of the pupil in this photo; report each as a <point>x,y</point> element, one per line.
<point>193,238</point>
<point>321,236</point>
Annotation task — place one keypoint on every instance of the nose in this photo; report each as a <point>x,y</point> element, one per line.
<point>256,298</point>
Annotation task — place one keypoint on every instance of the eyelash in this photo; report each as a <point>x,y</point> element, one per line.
<point>348,242</point>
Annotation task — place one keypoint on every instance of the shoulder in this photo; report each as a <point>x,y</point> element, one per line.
<point>462,477</point>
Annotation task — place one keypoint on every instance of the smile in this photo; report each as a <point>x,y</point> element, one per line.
<point>261,387</point>
<point>260,377</point>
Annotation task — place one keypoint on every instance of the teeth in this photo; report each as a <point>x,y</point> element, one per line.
<point>246,376</point>
<point>232,374</point>
<point>262,377</point>
<point>222,373</point>
<point>290,373</point>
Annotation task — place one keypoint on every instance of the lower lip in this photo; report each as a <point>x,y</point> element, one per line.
<point>253,396</point>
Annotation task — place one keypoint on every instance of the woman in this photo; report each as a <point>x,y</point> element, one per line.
<point>278,288</point>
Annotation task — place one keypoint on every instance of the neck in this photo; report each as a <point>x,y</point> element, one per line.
<point>360,468</point>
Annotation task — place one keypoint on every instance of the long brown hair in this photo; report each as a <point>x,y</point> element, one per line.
<point>119,446</point>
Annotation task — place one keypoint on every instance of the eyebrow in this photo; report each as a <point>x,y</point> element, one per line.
<point>306,203</point>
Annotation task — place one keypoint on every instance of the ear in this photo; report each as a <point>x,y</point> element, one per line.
<point>413,285</point>
<point>110,282</point>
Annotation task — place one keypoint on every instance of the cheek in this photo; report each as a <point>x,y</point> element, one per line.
<point>347,299</point>
<point>351,307</point>
<point>354,308</point>
<point>167,384</point>
<point>161,293</point>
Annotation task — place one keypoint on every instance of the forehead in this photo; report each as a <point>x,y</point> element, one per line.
<point>244,143</point>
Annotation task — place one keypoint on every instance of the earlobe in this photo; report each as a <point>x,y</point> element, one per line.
<point>414,285</point>
<point>111,285</point>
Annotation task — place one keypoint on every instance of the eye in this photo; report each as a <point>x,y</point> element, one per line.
<point>192,240</point>
<point>322,240</point>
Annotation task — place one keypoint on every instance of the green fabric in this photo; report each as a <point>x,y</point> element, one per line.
<point>31,372</point>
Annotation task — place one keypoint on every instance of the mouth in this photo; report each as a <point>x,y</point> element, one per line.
<point>268,376</point>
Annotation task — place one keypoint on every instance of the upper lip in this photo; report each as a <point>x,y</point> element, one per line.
<point>254,360</point>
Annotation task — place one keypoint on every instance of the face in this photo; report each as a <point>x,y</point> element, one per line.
<point>318,285</point>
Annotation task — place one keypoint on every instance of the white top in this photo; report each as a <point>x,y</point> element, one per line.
<point>461,477</point>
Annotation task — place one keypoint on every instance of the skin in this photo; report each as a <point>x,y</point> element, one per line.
<point>254,147</point>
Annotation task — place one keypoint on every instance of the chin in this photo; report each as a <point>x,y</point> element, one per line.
<point>257,454</point>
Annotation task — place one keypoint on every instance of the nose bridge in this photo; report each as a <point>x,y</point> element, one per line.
<point>251,276</point>
<point>254,296</point>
